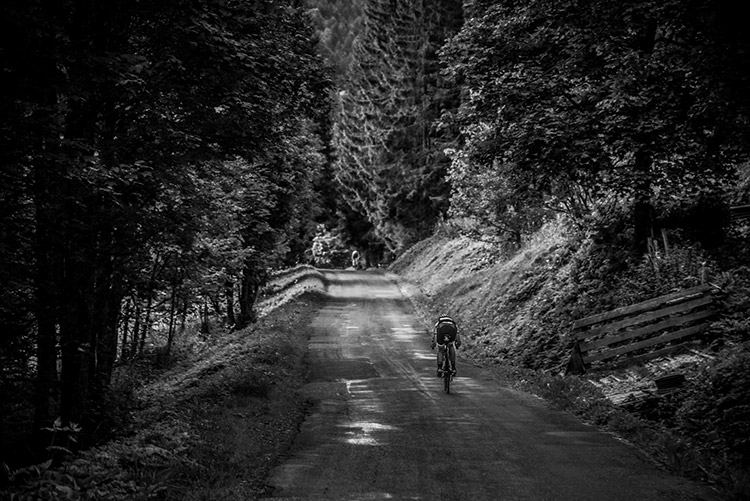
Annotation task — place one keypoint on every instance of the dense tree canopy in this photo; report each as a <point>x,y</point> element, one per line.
<point>390,161</point>
<point>154,157</point>
<point>571,105</point>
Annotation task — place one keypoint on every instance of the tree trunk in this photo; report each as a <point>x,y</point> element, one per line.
<point>205,327</point>
<point>216,304</point>
<point>155,271</point>
<point>250,285</point>
<point>75,336</point>
<point>184,306</point>
<point>146,321</point>
<point>642,209</point>
<point>106,348</point>
<point>133,349</point>
<point>172,306</point>
<point>46,341</point>
<point>105,316</point>
<point>229,294</point>
<point>106,342</point>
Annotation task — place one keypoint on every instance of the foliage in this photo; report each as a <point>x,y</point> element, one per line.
<point>718,410</point>
<point>486,196</point>
<point>41,481</point>
<point>159,160</point>
<point>568,104</point>
<point>328,250</point>
<point>337,23</point>
<point>734,323</point>
<point>661,272</point>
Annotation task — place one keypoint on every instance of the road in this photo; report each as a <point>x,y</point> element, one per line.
<point>382,428</point>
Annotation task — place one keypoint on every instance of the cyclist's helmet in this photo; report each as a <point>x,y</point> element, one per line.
<point>445,318</point>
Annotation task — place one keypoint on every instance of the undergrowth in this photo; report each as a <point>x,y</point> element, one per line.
<point>217,416</point>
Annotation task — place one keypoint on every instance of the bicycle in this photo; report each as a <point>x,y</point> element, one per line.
<point>446,369</point>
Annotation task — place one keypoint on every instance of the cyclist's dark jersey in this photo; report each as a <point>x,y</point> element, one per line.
<point>445,332</point>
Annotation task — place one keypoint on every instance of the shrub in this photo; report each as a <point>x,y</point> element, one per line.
<point>718,407</point>
<point>658,273</point>
<point>715,413</point>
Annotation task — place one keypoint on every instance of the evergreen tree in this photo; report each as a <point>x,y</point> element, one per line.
<point>389,157</point>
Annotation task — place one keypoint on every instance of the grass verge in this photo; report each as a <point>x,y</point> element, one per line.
<point>211,427</point>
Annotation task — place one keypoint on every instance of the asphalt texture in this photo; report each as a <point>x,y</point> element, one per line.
<point>382,427</point>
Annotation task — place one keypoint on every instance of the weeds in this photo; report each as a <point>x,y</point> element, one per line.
<point>41,481</point>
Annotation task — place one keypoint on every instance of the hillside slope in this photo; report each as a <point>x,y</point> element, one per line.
<point>497,300</point>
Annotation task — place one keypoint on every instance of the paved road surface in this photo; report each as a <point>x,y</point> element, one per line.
<point>382,428</point>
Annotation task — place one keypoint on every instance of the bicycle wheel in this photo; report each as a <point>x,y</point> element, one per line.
<point>447,378</point>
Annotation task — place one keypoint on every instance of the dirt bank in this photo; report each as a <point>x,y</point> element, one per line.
<point>494,297</point>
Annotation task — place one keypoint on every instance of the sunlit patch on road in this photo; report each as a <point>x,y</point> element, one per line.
<point>363,396</point>
<point>406,333</point>
<point>361,433</point>
<point>356,385</point>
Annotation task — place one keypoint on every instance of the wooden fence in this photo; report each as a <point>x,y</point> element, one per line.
<point>740,212</point>
<point>648,329</point>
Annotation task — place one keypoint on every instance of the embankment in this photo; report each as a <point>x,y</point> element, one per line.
<point>505,304</point>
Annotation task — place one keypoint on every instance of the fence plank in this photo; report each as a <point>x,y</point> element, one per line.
<point>641,307</point>
<point>740,212</point>
<point>672,336</point>
<point>649,316</point>
<point>667,350</point>
<point>649,329</point>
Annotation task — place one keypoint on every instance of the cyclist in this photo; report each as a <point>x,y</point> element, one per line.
<point>355,259</point>
<point>445,334</point>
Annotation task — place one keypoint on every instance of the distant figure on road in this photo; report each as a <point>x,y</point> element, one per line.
<point>355,259</point>
<point>446,335</point>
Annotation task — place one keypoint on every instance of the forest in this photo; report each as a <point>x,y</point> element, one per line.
<point>160,160</point>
